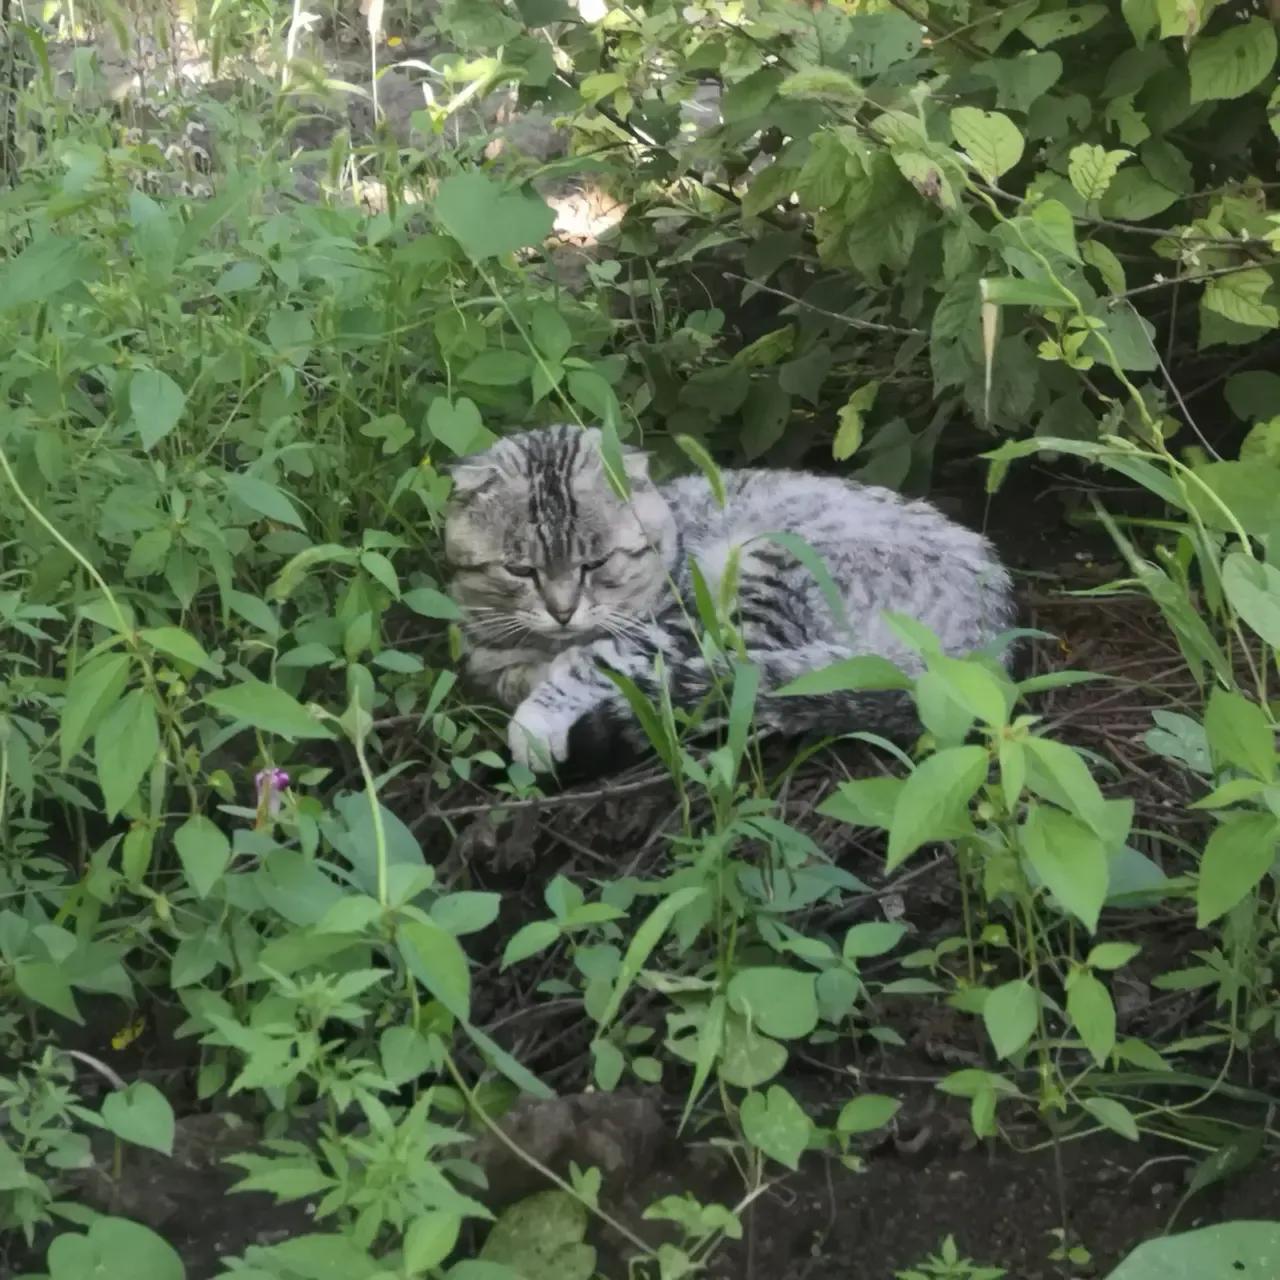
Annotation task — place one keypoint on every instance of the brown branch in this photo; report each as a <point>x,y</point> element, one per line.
<point>851,321</point>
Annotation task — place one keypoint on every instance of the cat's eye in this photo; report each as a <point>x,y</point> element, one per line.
<point>521,570</point>
<point>590,566</point>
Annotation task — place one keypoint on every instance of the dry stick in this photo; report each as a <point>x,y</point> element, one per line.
<point>551,802</point>
<point>1172,282</point>
<point>851,321</point>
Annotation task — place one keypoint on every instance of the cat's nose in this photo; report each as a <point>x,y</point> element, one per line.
<point>562,613</point>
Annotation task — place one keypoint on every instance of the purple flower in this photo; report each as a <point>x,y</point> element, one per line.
<point>270,784</point>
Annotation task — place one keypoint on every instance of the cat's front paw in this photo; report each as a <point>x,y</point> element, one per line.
<point>538,736</point>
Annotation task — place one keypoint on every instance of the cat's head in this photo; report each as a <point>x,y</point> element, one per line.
<point>541,547</point>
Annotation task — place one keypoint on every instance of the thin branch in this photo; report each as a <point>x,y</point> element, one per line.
<point>1170,282</point>
<point>851,321</point>
<point>557,801</point>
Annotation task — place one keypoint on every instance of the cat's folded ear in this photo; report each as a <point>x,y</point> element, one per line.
<point>471,474</point>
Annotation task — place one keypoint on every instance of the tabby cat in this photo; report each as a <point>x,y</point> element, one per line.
<point>559,578</point>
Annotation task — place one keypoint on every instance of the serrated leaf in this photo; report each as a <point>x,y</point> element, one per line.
<point>1231,63</point>
<point>934,801</point>
<point>992,141</point>
<point>1091,169</point>
<point>1069,860</point>
<point>1240,297</point>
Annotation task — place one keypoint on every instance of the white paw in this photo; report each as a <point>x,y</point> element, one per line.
<point>538,736</point>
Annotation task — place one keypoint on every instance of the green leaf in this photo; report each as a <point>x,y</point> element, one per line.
<point>498,369</point>
<point>1010,1014</point>
<point>851,419</point>
<point>1134,196</point>
<point>864,802</point>
<point>1239,853</point>
<point>457,425</point>
<point>1239,296</point>
<point>47,266</point>
<point>934,801</point>
<point>1069,859</point>
<point>527,941</point>
<point>156,402</point>
<point>1023,79</point>
<point>114,1249</point>
<point>1112,955</point>
<point>872,938</point>
<point>1228,1251</point>
<point>179,644</point>
<point>866,671</point>
<point>1093,1015</point>
<point>1046,28</point>
<point>430,603</point>
<point>124,748</point>
<point>1060,774</point>
<point>1091,169</point>
<point>46,984</point>
<point>776,1124</point>
<point>405,1054</point>
<point>488,220</point>
<point>866,1113</point>
<point>1253,396</point>
<point>140,1114</point>
<point>1240,734</point>
<point>93,691</point>
<point>266,707</point>
<point>437,960</point>
<point>706,464</point>
<point>204,853</point>
<point>430,1239</point>
<point>781,1002</point>
<point>990,138</point>
<point>646,937</point>
<point>265,499</point>
<point>542,1238</point>
<point>1228,65</point>
<point>1253,588</point>
<point>1116,1117</point>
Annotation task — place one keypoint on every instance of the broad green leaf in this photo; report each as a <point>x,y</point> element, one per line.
<point>1091,169</point>
<point>92,692</point>
<point>864,802</point>
<point>1112,955</point>
<point>430,1239</point>
<point>748,1059</point>
<point>1046,28</point>
<point>974,688</point>
<point>1093,1015</point>
<point>498,369</point>
<point>542,1238</point>
<point>47,266</point>
<point>872,938</point>
<point>1254,395</point>
<point>1059,773</point>
<point>156,402</point>
<point>781,1002</point>
<point>437,960</point>
<point>114,1249</point>
<point>1240,733</point>
<point>430,603</point>
<point>1239,853</point>
<point>1115,1115</point>
<point>457,425</point>
<point>140,1114</point>
<point>868,1112</point>
<point>1010,1014</point>
<point>1228,1251</point>
<point>405,1054</point>
<point>992,141</point>
<point>934,801</point>
<point>1246,489</point>
<point>1241,295</point>
<point>266,707</point>
<point>1253,588</point>
<point>124,748</point>
<point>1229,64</point>
<point>204,853</point>
<point>487,219</point>
<point>263,498</point>
<point>1133,195</point>
<point>46,984</point>
<point>776,1124</point>
<point>1069,860</point>
<point>180,644</point>
<point>527,941</point>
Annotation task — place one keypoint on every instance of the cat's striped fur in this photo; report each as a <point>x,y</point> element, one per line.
<point>558,577</point>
